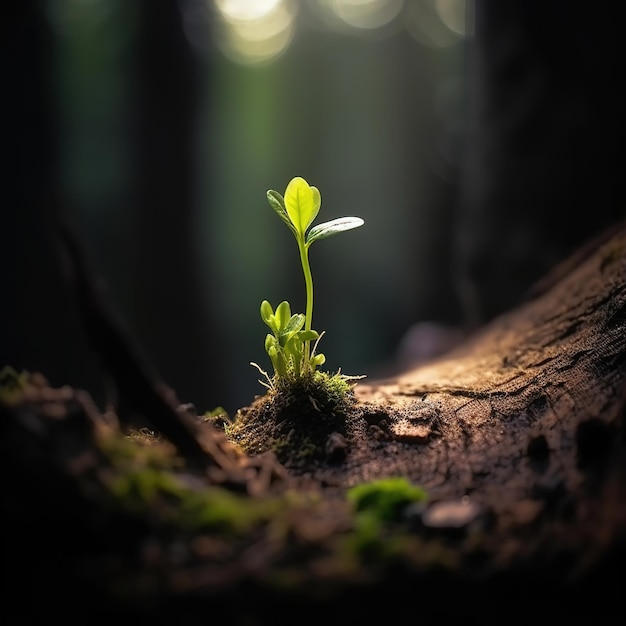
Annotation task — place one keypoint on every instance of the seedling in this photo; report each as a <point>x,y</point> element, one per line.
<point>289,344</point>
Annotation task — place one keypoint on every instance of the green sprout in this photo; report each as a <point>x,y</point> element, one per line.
<point>286,347</point>
<point>289,345</point>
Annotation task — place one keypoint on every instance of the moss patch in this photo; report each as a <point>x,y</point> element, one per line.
<point>300,420</point>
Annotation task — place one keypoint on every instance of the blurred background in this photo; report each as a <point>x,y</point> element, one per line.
<point>480,143</point>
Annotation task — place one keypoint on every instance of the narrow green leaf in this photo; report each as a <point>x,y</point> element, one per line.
<point>283,315</point>
<point>273,354</point>
<point>277,202</point>
<point>270,342</point>
<point>267,313</point>
<point>295,323</point>
<point>285,337</point>
<point>321,231</point>
<point>302,203</point>
<point>295,352</point>
<point>280,363</point>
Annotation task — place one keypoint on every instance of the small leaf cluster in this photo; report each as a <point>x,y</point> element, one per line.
<point>285,345</point>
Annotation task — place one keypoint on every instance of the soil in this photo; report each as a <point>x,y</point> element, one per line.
<point>516,435</point>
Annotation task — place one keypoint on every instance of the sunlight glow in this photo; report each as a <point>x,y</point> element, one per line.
<point>453,15</point>
<point>366,14</point>
<point>437,23</point>
<point>246,10</point>
<point>255,31</point>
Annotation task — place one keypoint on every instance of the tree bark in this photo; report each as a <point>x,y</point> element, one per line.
<point>545,145</point>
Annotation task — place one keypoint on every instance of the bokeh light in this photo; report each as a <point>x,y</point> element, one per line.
<point>255,32</point>
<point>246,10</point>
<point>436,23</point>
<point>454,14</point>
<point>367,14</point>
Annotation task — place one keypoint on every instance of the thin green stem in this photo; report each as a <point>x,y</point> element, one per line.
<point>308,282</point>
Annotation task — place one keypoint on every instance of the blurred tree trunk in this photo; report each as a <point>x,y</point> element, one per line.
<point>172,321</point>
<point>40,326</point>
<point>544,161</point>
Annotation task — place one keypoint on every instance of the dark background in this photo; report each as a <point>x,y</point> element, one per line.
<point>478,157</point>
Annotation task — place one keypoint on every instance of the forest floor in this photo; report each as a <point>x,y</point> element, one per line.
<point>488,535</point>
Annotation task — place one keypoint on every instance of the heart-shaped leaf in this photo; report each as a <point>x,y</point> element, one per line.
<point>302,203</point>
<point>321,231</point>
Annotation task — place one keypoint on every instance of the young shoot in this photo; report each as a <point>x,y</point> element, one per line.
<point>289,345</point>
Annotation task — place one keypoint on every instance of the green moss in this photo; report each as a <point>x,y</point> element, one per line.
<point>166,498</point>
<point>218,509</point>
<point>386,498</point>
<point>378,507</point>
<point>148,481</point>
<point>295,417</point>
<point>328,388</point>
